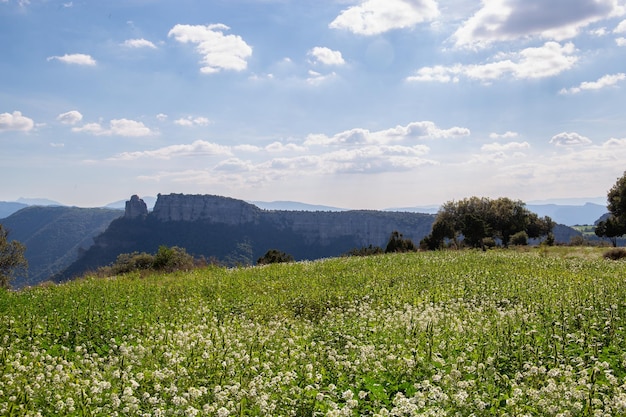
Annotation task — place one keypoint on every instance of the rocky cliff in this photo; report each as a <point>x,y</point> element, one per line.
<point>181,207</point>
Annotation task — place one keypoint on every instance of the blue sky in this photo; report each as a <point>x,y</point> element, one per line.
<point>355,104</point>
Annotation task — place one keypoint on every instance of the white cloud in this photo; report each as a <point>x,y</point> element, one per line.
<point>70,118</point>
<point>569,139</point>
<point>117,127</point>
<point>74,59</point>
<point>139,43</point>
<point>545,61</point>
<point>15,121</point>
<point>326,56</point>
<point>161,117</point>
<point>359,136</point>
<point>621,27</point>
<point>605,81</point>
<point>192,121</point>
<point>505,135</point>
<point>219,52</point>
<point>281,147</point>
<point>197,148</point>
<point>505,20</point>
<point>317,78</point>
<point>505,147</point>
<point>620,41</point>
<point>372,17</point>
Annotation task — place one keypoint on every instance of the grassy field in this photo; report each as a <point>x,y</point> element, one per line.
<point>515,333</point>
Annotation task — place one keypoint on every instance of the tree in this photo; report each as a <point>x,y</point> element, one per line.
<point>274,256</point>
<point>476,220</point>
<point>397,243</point>
<point>615,225</point>
<point>12,260</point>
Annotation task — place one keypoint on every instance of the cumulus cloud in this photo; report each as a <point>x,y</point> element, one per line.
<point>605,81</point>
<point>505,135</point>
<point>15,121</point>
<point>139,43</point>
<point>117,127</point>
<point>74,59</point>
<point>620,41</point>
<point>621,27</point>
<point>505,20</point>
<point>372,17</point>
<point>161,117</point>
<point>545,61</point>
<point>569,139</point>
<point>317,78</point>
<point>192,121</point>
<point>219,51</point>
<point>326,56</point>
<point>70,118</point>
<point>505,147</point>
<point>359,136</point>
<point>197,148</point>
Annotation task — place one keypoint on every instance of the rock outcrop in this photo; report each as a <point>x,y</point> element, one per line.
<point>184,207</point>
<point>135,207</point>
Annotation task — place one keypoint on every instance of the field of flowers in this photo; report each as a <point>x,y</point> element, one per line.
<point>431,334</point>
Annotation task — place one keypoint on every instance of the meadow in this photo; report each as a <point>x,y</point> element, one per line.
<point>540,332</point>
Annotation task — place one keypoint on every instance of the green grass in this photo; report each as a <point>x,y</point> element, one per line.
<point>535,332</point>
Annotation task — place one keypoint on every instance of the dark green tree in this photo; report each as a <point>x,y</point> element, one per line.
<point>476,220</point>
<point>615,225</point>
<point>397,243</point>
<point>274,256</point>
<point>12,259</point>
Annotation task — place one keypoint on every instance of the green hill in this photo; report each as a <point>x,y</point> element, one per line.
<point>55,236</point>
<point>540,332</point>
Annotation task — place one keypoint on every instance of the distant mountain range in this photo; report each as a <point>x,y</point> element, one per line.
<point>63,242</point>
<point>570,212</point>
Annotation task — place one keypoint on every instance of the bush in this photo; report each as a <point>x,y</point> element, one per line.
<point>172,259</point>
<point>365,251</point>
<point>274,256</point>
<point>520,239</point>
<point>615,254</point>
<point>129,262</point>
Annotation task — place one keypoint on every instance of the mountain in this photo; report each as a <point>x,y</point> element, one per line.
<point>293,206</point>
<point>38,202</point>
<point>55,236</point>
<point>120,204</point>
<point>233,231</point>
<point>570,215</point>
<point>9,207</point>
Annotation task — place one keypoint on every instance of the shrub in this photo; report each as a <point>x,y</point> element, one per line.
<point>520,239</point>
<point>365,251</point>
<point>274,256</point>
<point>129,262</point>
<point>173,258</point>
<point>397,243</point>
<point>615,254</point>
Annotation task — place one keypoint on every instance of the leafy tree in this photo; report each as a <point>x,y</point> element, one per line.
<point>611,229</point>
<point>520,239</point>
<point>274,256</point>
<point>12,260</point>
<point>477,220</point>
<point>397,243</point>
<point>615,225</point>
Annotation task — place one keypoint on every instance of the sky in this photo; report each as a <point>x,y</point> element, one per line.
<point>363,104</point>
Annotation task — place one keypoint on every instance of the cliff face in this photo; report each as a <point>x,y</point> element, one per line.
<point>181,207</point>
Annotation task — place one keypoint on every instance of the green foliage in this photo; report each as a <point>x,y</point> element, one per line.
<point>12,260</point>
<point>274,256</point>
<point>171,259</point>
<point>130,262</point>
<point>615,225</point>
<point>398,243</point>
<point>520,239</point>
<point>365,251</point>
<point>439,333</point>
<point>474,219</point>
